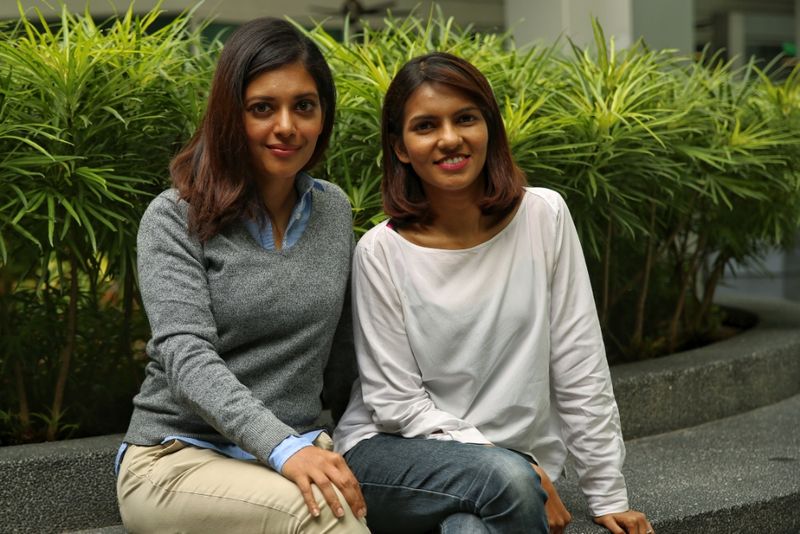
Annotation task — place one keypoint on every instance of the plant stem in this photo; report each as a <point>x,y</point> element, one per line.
<point>24,409</point>
<point>19,377</point>
<point>711,288</point>
<point>638,329</point>
<point>65,355</point>
<point>686,278</point>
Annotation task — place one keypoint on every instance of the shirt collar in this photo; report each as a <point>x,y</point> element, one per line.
<point>305,183</point>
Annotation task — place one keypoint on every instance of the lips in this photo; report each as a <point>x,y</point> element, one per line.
<point>283,151</point>
<point>455,162</point>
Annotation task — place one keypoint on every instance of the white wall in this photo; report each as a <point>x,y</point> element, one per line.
<point>665,24</point>
<point>543,21</point>
<point>485,14</point>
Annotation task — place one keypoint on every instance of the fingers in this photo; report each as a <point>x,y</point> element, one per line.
<point>328,471</point>
<point>610,523</point>
<point>338,474</point>
<point>308,497</point>
<point>323,483</point>
<point>558,517</point>
<point>630,522</point>
<point>346,482</point>
<point>635,523</point>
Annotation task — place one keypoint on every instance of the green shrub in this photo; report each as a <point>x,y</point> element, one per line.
<point>673,169</point>
<point>90,115</point>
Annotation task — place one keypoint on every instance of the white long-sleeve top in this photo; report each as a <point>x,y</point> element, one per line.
<point>498,343</point>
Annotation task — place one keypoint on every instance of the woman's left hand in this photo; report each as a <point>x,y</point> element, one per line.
<point>630,522</point>
<point>558,517</point>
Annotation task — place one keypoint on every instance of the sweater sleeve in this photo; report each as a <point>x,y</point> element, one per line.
<point>174,288</point>
<point>391,383</point>
<point>581,382</point>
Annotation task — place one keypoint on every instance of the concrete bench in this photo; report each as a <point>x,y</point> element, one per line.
<point>713,445</point>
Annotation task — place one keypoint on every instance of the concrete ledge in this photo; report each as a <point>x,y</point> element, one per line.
<point>740,474</point>
<point>59,486</point>
<point>69,485</point>
<point>755,368</point>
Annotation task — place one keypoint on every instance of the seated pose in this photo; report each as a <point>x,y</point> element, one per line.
<point>244,269</point>
<point>480,354</point>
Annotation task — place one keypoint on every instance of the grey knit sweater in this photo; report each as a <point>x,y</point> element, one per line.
<point>242,335</point>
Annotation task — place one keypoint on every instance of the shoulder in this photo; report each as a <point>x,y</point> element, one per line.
<point>549,200</point>
<point>374,253</point>
<point>331,192</point>
<point>166,205</point>
<point>166,215</point>
<point>374,238</point>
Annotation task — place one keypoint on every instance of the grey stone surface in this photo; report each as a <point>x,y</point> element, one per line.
<point>756,368</point>
<point>736,475</point>
<point>711,478</point>
<point>60,486</point>
<point>117,529</point>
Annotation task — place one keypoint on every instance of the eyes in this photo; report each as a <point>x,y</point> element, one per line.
<point>428,124</point>
<point>263,108</point>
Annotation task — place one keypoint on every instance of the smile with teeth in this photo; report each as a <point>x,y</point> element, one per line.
<point>454,162</point>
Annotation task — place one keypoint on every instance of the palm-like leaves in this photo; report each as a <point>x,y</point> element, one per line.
<point>672,169</point>
<point>89,116</point>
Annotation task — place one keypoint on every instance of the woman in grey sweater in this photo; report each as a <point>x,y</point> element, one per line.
<point>243,270</point>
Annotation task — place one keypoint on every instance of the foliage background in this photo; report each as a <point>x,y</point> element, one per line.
<point>673,169</point>
<point>90,114</point>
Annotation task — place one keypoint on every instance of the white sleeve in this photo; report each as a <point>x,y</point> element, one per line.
<point>391,382</point>
<point>581,382</point>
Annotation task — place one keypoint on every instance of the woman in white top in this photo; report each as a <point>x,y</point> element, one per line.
<point>480,355</point>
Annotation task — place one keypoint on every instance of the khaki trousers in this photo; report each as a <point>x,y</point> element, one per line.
<point>180,488</point>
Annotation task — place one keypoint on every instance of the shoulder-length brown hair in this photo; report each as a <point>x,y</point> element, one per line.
<point>403,197</point>
<point>213,172</point>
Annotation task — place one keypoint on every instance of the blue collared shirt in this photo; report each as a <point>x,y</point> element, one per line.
<point>261,230</point>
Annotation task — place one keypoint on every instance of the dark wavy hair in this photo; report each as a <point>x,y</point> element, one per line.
<point>403,196</point>
<point>213,172</point>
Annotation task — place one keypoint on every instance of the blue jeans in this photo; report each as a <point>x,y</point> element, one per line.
<point>419,485</point>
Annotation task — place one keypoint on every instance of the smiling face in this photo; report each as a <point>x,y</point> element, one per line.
<point>444,139</point>
<point>283,118</point>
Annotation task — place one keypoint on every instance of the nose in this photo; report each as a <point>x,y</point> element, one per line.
<point>450,138</point>
<point>284,123</point>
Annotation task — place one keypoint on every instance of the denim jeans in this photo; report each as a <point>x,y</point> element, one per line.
<point>421,485</point>
<point>462,524</point>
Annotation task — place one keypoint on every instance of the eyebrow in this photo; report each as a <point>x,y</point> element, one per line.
<point>268,98</point>
<point>416,118</point>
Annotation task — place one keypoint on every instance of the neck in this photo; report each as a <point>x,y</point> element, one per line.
<point>279,198</point>
<point>456,214</point>
<point>457,221</point>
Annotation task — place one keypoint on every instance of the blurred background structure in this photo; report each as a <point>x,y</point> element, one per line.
<point>740,29</point>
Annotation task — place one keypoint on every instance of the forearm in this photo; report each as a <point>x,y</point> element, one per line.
<point>199,379</point>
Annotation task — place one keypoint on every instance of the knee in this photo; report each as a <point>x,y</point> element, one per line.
<point>513,480</point>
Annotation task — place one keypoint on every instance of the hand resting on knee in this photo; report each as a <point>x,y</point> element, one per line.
<point>312,465</point>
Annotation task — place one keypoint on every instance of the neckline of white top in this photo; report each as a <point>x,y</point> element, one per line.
<point>479,246</point>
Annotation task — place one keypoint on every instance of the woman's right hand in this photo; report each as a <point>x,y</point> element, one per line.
<point>325,469</point>
<point>558,517</point>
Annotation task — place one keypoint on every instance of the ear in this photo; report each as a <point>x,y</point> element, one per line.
<point>400,151</point>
